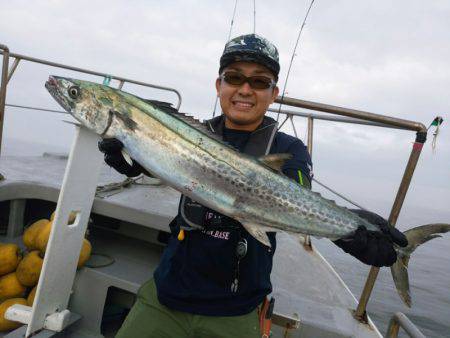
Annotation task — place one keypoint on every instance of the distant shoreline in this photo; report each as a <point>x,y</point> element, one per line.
<point>19,147</point>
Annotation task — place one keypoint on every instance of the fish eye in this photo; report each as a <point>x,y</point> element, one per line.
<point>74,92</point>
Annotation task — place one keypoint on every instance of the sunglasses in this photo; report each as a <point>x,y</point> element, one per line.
<point>256,82</point>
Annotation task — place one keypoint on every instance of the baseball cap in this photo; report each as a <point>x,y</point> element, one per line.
<point>251,48</point>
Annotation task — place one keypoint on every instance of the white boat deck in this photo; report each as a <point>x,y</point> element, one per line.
<point>305,285</point>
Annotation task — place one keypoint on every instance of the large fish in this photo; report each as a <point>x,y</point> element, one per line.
<point>187,156</point>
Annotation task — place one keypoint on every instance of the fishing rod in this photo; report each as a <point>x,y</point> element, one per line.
<point>228,39</point>
<point>254,16</point>
<point>292,59</point>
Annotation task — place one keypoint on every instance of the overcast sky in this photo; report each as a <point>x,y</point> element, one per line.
<point>387,57</point>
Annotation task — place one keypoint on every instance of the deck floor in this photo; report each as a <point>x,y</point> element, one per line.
<point>305,286</point>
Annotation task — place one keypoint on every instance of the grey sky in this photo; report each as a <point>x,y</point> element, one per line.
<point>379,56</point>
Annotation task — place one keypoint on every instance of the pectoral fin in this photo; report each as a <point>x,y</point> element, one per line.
<point>259,232</point>
<point>127,157</point>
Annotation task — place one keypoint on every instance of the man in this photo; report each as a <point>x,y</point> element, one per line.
<point>211,282</point>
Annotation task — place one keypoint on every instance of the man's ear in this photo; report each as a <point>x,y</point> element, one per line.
<point>218,86</point>
<point>275,93</point>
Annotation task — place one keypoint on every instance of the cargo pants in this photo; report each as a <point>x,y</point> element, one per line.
<point>150,319</point>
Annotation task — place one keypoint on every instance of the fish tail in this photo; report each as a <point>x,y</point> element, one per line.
<point>416,237</point>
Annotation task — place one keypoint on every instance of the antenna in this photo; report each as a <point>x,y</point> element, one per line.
<point>292,59</point>
<point>228,39</point>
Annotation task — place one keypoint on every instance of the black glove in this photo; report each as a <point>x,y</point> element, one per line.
<point>373,247</point>
<point>112,148</point>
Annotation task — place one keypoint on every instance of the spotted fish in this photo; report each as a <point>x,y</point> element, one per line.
<point>187,156</point>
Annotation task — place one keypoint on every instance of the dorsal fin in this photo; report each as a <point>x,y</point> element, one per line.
<point>166,106</point>
<point>193,122</point>
<point>275,161</point>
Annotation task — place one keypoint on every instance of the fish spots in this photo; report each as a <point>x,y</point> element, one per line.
<point>191,187</point>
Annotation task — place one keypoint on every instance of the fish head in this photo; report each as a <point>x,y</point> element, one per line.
<point>89,103</point>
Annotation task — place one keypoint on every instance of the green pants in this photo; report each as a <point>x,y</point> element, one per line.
<point>149,319</point>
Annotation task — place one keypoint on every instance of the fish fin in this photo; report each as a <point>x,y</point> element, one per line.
<point>259,232</point>
<point>166,106</point>
<point>127,121</point>
<point>188,119</point>
<point>275,161</point>
<point>127,157</point>
<point>401,279</point>
<point>416,237</point>
<point>300,237</point>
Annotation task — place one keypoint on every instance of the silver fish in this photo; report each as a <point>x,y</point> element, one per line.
<point>187,156</point>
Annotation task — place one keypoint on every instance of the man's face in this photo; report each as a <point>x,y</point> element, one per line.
<point>244,107</point>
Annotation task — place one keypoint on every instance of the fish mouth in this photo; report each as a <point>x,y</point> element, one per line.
<point>51,84</point>
<point>54,89</point>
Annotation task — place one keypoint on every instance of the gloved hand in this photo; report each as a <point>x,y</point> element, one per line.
<point>373,247</point>
<point>112,148</point>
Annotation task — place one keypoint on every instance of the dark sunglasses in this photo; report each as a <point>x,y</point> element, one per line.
<point>256,82</point>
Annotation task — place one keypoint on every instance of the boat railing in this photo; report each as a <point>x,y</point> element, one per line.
<point>371,119</point>
<point>7,74</point>
<point>400,320</point>
<point>349,116</point>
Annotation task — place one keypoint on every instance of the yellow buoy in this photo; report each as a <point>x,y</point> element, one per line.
<point>29,236</point>
<point>85,253</point>
<point>10,257</point>
<point>43,236</point>
<point>30,298</point>
<point>29,269</point>
<point>10,287</point>
<point>5,324</point>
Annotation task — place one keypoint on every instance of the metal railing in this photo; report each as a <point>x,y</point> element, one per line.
<point>398,320</point>
<point>350,116</point>
<point>387,121</point>
<point>7,75</point>
<point>4,77</point>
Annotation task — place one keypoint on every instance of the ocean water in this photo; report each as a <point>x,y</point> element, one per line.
<point>429,274</point>
<point>429,267</point>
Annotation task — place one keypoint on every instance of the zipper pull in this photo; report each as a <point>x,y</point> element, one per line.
<point>234,285</point>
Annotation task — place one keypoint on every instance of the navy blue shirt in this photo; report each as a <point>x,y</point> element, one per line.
<point>195,275</point>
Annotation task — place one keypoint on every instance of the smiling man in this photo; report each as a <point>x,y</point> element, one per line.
<point>244,106</point>
<point>214,282</point>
